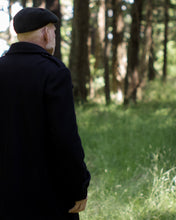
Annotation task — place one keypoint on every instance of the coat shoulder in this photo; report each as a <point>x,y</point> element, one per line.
<point>55,67</point>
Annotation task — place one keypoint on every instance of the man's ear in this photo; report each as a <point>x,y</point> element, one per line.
<point>45,35</point>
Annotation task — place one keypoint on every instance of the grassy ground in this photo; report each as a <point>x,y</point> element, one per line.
<point>131,154</point>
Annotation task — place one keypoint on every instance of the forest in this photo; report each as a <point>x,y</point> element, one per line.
<point>114,47</point>
<point>122,57</point>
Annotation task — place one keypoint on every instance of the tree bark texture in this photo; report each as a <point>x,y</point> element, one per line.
<point>10,18</point>
<point>79,62</point>
<point>106,56</point>
<point>132,76</point>
<point>166,21</point>
<point>147,45</point>
<point>39,3</point>
<point>24,3</point>
<point>151,70</point>
<point>117,45</point>
<point>100,35</point>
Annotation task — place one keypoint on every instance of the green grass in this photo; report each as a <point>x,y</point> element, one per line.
<point>131,154</point>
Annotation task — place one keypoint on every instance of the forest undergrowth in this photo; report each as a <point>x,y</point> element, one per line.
<point>131,154</point>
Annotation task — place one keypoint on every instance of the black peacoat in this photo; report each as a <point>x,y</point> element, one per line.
<point>42,168</point>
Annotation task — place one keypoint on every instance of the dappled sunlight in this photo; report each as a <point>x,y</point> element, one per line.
<point>130,149</point>
<point>131,155</point>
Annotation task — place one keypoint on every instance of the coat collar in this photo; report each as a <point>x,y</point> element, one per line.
<point>26,48</point>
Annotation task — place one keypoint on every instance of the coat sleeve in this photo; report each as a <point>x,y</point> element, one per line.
<point>64,135</point>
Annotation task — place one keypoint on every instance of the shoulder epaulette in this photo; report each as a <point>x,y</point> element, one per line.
<point>53,59</point>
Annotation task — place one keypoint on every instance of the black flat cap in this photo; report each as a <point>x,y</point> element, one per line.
<point>30,19</point>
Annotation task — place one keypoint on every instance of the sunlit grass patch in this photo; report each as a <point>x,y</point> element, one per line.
<point>131,154</point>
<point>161,201</point>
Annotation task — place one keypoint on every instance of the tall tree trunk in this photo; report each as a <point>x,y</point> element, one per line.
<point>79,62</point>
<point>132,76</point>
<point>10,18</point>
<point>148,44</point>
<point>106,56</point>
<point>54,6</point>
<point>39,3</point>
<point>167,3</point>
<point>100,34</point>
<point>96,41</point>
<point>24,3</point>
<point>151,71</point>
<point>117,47</point>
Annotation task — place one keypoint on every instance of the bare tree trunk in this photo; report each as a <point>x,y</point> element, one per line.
<point>100,35</point>
<point>118,50</point>
<point>10,18</point>
<point>167,3</point>
<point>148,44</point>
<point>151,71</point>
<point>132,76</point>
<point>24,3</point>
<point>106,57</point>
<point>39,3</point>
<point>54,6</point>
<point>96,41</point>
<point>79,62</point>
<point>118,31</point>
